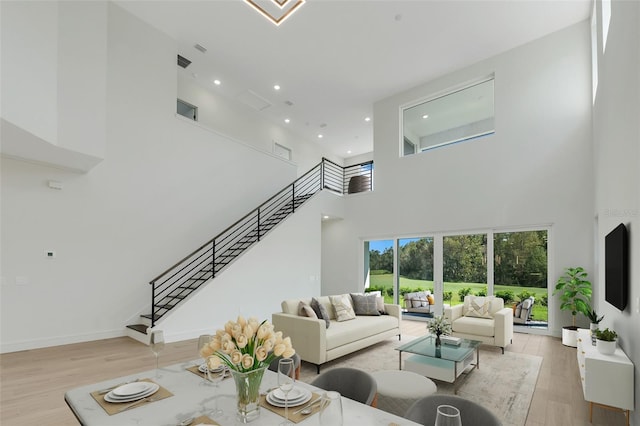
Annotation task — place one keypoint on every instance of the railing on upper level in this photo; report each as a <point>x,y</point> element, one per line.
<point>180,280</point>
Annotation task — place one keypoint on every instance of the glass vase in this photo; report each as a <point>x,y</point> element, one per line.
<point>248,394</point>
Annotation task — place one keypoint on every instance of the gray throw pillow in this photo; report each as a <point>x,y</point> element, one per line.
<point>320,311</point>
<point>365,304</point>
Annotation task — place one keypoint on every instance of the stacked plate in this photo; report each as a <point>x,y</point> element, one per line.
<point>297,396</point>
<point>132,392</point>
<point>203,368</point>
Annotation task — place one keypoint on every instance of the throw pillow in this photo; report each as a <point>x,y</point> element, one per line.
<point>304,310</point>
<point>320,311</point>
<point>365,304</point>
<point>423,301</point>
<point>342,306</point>
<point>416,302</point>
<point>379,301</point>
<point>431,299</point>
<point>479,307</point>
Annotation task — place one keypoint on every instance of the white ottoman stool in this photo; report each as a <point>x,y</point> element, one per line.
<point>398,390</point>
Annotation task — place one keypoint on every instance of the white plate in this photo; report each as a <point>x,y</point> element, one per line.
<point>131,389</point>
<point>295,393</point>
<point>278,403</point>
<point>203,368</point>
<point>110,397</point>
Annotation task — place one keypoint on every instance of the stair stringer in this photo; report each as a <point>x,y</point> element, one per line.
<point>286,263</point>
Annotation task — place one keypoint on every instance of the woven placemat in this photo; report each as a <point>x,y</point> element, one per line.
<point>295,418</point>
<point>204,420</point>
<point>195,370</point>
<point>112,408</point>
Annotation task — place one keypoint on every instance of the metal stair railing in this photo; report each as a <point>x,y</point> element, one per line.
<point>188,274</point>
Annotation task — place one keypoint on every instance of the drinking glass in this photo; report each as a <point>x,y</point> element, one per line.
<point>448,415</point>
<point>214,376</point>
<point>286,380</point>
<point>331,409</point>
<point>203,341</point>
<point>156,343</point>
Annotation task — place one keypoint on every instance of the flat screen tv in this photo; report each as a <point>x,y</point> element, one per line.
<point>616,260</point>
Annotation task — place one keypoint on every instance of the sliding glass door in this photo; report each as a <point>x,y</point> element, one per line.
<point>512,265</point>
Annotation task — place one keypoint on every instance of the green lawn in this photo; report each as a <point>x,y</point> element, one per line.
<point>540,312</point>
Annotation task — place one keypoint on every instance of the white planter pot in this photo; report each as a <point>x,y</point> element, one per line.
<point>569,337</point>
<point>606,348</point>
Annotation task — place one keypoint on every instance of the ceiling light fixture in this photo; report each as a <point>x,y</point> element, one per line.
<point>277,11</point>
<point>286,120</point>
<point>276,87</point>
<point>367,119</point>
<point>217,82</point>
<point>320,136</point>
<point>425,116</point>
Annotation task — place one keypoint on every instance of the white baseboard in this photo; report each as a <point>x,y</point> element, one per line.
<point>7,347</point>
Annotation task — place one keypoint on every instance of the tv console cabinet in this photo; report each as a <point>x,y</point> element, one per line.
<point>607,380</point>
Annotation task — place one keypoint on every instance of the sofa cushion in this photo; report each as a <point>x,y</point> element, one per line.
<point>305,310</point>
<point>365,304</point>
<point>343,333</point>
<point>478,306</point>
<point>321,311</point>
<point>476,326</point>
<point>342,306</point>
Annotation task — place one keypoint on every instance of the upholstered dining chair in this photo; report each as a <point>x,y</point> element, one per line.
<point>351,383</point>
<point>424,411</point>
<point>296,365</point>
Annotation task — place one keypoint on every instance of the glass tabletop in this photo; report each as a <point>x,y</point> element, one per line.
<point>426,346</point>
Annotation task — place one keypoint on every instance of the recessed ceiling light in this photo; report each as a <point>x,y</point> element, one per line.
<point>349,152</point>
<point>217,82</point>
<point>320,136</point>
<point>276,87</point>
<point>425,116</point>
<point>325,217</point>
<point>286,120</point>
<point>367,119</point>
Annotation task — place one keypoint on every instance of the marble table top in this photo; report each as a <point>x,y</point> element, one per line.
<point>192,397</point>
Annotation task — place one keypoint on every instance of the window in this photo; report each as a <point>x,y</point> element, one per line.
<point>187,110</point>
<point>458,116</point>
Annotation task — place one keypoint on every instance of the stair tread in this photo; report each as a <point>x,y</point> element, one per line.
<point>141,328</point>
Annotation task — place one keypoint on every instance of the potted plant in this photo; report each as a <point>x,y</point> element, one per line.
<point>606,341</point>
<point>575,294</point>
<point>593,326</point>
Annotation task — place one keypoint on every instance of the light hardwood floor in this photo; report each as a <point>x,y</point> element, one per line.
<point>33,382</point>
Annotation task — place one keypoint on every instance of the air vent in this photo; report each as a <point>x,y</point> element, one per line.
<point>254,100</point>
<point>201,48</point>
<point>183,62</point>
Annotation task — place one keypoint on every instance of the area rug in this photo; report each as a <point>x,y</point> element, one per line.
<point>503,383</point>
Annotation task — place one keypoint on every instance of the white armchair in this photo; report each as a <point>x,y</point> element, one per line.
<point>482,318</point>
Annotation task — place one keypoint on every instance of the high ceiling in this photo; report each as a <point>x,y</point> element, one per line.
<point>334,58</point>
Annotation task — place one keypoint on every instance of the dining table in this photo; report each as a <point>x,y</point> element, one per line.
<point>184,394</point>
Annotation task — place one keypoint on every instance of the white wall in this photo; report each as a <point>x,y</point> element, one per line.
<point>54,57</point>
<point>617,164</point>
<point>165,187</point>
<point>535,170</point>
<point>230,117</point>
<point>286,264</point>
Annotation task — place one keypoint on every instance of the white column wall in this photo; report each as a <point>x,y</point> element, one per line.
<point>535,170</point>
<point>617,165</point>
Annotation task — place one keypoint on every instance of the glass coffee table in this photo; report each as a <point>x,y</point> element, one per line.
<point>445,363</point>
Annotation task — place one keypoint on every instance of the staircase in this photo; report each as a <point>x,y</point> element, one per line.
<point>187,275</point>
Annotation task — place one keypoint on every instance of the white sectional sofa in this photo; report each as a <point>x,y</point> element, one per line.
<point>316,343</point>
<point>482,318</point>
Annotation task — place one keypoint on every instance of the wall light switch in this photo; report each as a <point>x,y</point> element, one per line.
<point>638,305</point>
